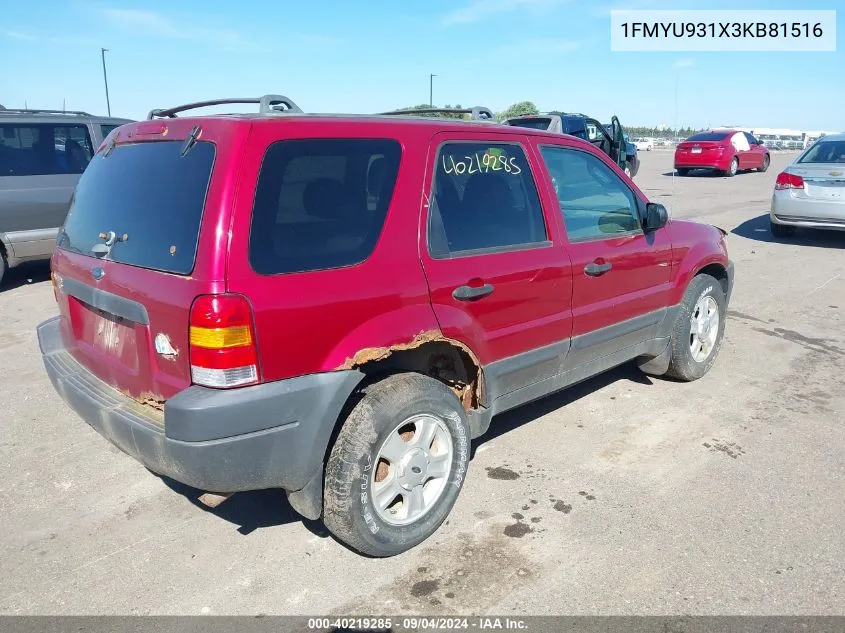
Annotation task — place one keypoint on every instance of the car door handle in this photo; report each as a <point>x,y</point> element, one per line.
<point>468,293</point>
<point>595,270</point>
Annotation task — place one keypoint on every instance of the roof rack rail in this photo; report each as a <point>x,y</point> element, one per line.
<point>28,111</point>
<point>266,105</point>
<point>477,113</point>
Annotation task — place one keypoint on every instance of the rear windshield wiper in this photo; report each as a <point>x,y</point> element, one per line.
<point>111,238</point>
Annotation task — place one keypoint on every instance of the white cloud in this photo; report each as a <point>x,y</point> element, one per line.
<point>684,62</point>
<point>539,46</point>
<point>50,39</point>
<point>17,35</point>
<point>159,25</point>
<point>477,10</point>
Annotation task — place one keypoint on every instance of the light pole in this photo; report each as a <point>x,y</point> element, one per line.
<point>431,90</point>
<point>105,79</point>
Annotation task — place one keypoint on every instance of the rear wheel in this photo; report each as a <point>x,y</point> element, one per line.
<point>733,168</point>
<point>765,164</point>
<point>697,333</point>
<point>397,466</point>
<point>682,171</point>
<point>782,230</point>
<point>3,266</point>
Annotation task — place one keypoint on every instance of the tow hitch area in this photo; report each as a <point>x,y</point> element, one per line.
<point>214,499</point>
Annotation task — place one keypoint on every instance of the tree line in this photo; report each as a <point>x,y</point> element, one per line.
<point>527,107</point>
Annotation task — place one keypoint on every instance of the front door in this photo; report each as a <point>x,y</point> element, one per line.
<point>621,275</point>
<point>500,281</point>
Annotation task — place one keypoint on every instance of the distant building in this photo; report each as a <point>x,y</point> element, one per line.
<point>782,138</point>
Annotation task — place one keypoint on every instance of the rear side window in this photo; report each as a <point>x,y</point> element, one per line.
<point>105,130</point>
<point>321,203</point>
<point>148,193</point>
<point>40,149</point>
<point>483,198</point>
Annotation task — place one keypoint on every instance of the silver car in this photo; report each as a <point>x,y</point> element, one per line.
<point>810,192</point>
<point>42,155</point>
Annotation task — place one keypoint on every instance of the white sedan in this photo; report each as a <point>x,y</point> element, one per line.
<point>810,192</point>
<point>644,144</point>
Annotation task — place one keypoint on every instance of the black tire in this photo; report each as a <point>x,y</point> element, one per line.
<point>782,230</point>
<point>731,171</point>
<point>682,365</point>
<point>682,171</point>
<point>765,165</point>
<point>3,266</point>
<point>347,498</point>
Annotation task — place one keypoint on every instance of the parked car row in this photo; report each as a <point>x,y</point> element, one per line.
<point>383,287</point>
<point>42,155</point>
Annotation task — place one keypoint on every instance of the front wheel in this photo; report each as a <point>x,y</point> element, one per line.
<point>698,331</point>
<point>765,165</point>
<point>397,466</point>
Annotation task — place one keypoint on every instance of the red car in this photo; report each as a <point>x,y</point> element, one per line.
<point>727,151</point>
<point>338,305</point>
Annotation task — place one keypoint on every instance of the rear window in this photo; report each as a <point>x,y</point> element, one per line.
<point>709,136</point>
<point>36,149</point>
<point>825,152</point>
<point>321,203</point>
<point>149,193</point>
<point>534,124</point>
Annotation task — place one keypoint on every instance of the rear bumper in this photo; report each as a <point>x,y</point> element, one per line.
<point>702,161</point>
<point>807,212</point>
<point>267,436</point>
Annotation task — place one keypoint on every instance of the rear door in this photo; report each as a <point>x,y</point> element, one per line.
<point>138,247</point>
<point>621,276</point>
<point>500,280</point>
<point>40,164</point>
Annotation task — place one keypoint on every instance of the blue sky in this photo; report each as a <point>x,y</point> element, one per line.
<point>346,56</point>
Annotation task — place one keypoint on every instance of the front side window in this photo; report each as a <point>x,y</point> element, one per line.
<point>483,197</point>
<point>321,203</point>
<point>40,149</point>
<point>595,202</point>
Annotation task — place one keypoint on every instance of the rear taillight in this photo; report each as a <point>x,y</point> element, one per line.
<point>789,181</point>
<point>223,347</point>
<point>57,282</point>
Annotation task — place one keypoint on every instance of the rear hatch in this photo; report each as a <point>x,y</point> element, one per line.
<point>138,246</point>
<point>822,181</point>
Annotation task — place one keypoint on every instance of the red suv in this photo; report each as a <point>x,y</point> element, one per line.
<point>338,305</point>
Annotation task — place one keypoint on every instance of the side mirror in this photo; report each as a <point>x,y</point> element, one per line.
<point>656,217</point>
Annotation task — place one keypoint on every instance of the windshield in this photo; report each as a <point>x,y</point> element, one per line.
<point>147,193</point>
<point>709,136</point>
<point>825,152</point>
